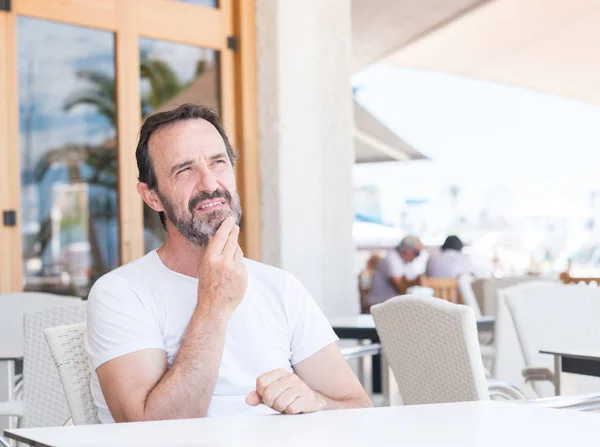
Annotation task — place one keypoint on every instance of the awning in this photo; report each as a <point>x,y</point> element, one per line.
<point>374,142</point>
<point>546,45</point>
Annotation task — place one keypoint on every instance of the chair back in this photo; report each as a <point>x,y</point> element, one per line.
<point>445,288</point>
<point>14,306</point>
<point>566,278</point>
<point>67,348</point>
<point>556,316</point>
<point>487,290</point>
<point>432,348</point>
<point>44,403</point>
<point>465,289</point>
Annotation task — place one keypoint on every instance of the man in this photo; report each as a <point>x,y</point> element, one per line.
<point>193,329</point>
<point>394,273</point>
<point>450,262</point>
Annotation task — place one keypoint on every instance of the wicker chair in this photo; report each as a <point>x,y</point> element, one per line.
<point>43,403</point>
<point>444,288</point>
<point>70,358</point>
<point>432,348</point>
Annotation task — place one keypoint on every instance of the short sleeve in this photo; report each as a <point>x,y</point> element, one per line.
<point>392,265</point>
<point>118,322</point>
<point>311,330</point>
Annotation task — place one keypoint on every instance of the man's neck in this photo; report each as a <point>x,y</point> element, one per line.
<point>180,255</point>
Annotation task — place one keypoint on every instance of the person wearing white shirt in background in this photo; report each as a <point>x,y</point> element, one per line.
<point>450,262</point>
<point>194,329</point>
<point>403,264</point>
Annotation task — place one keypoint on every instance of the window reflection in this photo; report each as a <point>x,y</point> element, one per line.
<point>205,3</point>
<point>68,155</point>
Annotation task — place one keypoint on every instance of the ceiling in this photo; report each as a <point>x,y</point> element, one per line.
<point>374,142</point>
<point>546,45</point>
<point>381,27</point>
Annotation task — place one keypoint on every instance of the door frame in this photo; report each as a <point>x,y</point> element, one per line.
<point>229,29</point>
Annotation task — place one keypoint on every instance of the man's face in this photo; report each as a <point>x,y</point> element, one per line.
<point>196,182</point>
<point>408,255</point>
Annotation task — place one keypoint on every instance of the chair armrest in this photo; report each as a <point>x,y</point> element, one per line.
<point>12,408</point>
<point>585,402</point>
<point>534,374</point>
<point>497,388</point>
<point>361,351</point>
<point>4,442</point>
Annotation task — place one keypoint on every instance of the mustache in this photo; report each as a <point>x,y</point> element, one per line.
<point>217,194</point>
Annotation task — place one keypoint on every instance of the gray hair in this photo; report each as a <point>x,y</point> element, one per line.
<point>411,242</point>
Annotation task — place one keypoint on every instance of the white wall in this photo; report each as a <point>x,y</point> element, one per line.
<point>306,145</point>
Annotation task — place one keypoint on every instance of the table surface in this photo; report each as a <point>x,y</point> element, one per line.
<point>466,423</point>
<point>365,321</point>
<point>575,353</point>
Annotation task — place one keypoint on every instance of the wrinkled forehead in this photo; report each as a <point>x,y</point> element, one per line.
<point>190,139</point>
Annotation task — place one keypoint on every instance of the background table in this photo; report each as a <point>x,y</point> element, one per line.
<point>575,361</point>
<point>467,423</point>
<point>362,327</point>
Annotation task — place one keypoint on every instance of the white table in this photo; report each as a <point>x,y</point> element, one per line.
<point>467,423</point>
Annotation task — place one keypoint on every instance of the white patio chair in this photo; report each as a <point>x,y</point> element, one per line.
<point>43,402</point>
<point>432,348</point>
<point>509,361</point>
<point>486,339</point>
<point>70,358</point>
<point>554,316</point>
<point>13,307</point>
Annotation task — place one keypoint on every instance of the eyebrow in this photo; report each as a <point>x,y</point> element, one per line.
<point>181,165</point>
<point>217,156</point>
<point>185,164</point>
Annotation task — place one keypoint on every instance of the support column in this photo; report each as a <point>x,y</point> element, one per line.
<point>306,145</point>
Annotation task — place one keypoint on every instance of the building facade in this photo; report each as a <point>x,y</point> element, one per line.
<point>77,78</point>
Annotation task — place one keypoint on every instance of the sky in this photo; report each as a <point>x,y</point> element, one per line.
<point>510,150</point>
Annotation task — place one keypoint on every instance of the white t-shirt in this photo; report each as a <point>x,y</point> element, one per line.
<point>449,264</point>
<point>145,305</point>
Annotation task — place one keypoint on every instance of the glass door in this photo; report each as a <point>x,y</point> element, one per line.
<point>77,78</point>
<point>68,155</point>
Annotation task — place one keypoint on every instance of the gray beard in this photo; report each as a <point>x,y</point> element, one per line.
<point>199,231</point>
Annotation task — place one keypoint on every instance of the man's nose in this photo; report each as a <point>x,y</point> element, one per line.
<point>207,180</point>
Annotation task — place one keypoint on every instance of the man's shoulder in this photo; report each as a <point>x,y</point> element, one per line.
<point>132,274</point>
<point>273,278</point>
<point>265,271</point>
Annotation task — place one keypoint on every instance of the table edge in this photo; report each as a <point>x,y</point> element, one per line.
<point>572,356</point>
<point>15,437</point>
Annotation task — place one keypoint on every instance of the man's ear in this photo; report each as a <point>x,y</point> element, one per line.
<point>150,196</point>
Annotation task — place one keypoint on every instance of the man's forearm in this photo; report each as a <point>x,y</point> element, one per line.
<point>186,389</point>
<point>345,402</point>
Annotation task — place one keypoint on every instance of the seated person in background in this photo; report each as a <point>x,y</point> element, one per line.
<point>364,281</point>
<point>194,329</point>
<point>397,271</point>
<point>450,262</point>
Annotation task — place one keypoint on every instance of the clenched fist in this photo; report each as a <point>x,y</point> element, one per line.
<point>285,392</point>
